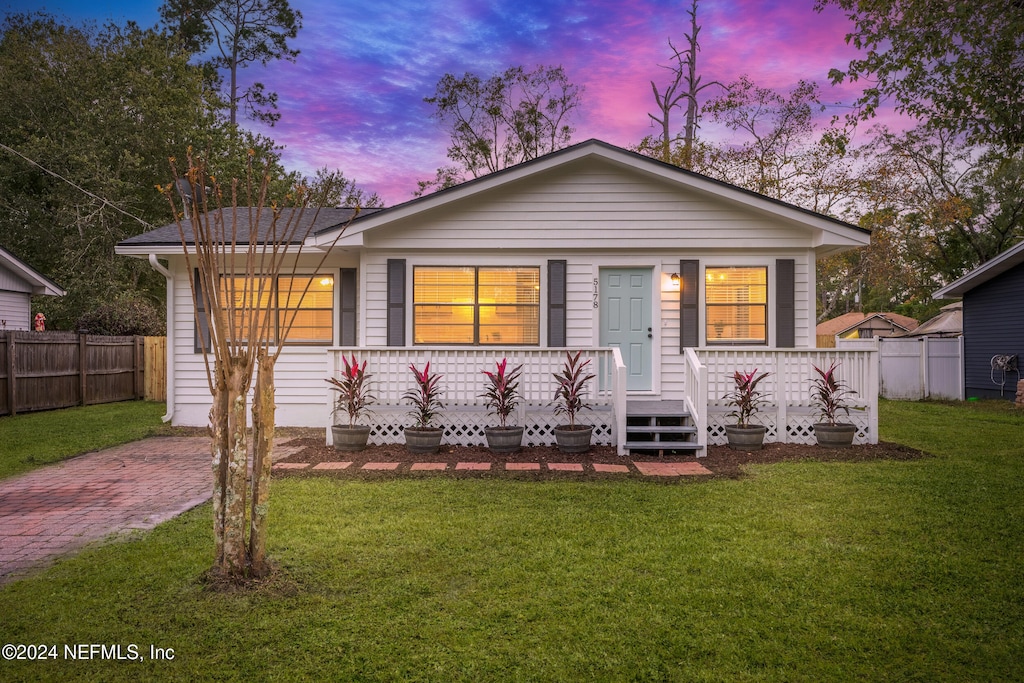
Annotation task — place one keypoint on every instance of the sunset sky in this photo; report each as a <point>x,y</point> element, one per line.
<point>354,98</point>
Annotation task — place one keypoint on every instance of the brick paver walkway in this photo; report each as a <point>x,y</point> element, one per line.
<point>62,507</point>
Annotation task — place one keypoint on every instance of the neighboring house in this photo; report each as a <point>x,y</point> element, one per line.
<point>668,280</point>
<point>857,325</point>
<point>18,283</point>
<point>993,324</point>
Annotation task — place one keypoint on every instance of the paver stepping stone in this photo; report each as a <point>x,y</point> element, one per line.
<point>427,466</point>
<point>381,466</point>
<point>617,469</point>
<point>473,466</point>
<point>291,465</point>
<point>565,466</point>
<point>670,469</point>
<point>521,466</point>
<point>332,465</point>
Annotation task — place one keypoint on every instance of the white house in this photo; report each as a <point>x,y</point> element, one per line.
<point>18,282</point>
<point>668,280</point>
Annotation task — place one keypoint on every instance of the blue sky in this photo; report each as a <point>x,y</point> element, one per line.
<point>354,98</point>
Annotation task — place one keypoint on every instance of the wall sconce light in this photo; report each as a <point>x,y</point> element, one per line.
<point>674,277</point>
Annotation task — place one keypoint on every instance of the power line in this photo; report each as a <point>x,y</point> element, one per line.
<point>77,187</point>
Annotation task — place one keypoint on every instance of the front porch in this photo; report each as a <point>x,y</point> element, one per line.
<point>684,420</point>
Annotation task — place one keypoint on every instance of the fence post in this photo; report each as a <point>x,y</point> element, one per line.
<point>11,379</point>
<point>139,388</point>
<point>83,375</point>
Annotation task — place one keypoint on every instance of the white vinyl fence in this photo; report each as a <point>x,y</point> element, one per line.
<point>916,368</point>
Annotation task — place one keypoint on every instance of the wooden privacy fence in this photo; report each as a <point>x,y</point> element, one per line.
<point>46,370</point>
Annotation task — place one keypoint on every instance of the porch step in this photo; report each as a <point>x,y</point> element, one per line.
<point>660,426</point>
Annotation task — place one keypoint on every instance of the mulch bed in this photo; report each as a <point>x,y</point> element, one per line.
<point>721,460</point>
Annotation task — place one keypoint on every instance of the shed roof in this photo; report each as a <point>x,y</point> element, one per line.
<point>948,323</point>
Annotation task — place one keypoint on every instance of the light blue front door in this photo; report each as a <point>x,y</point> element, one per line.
<point>625,308</point>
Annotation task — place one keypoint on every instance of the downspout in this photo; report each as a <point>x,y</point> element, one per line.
<point>169,276</point>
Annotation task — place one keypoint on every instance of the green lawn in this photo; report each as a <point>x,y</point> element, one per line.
<point>33,439</point>
<point>801,572</point>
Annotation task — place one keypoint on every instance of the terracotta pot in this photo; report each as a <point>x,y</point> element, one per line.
<point>504,439</point>
<point>350,439</point>
<point>749,438</point>
<point>835,436</point>
<point>422,441</point>
<point>573,439</point>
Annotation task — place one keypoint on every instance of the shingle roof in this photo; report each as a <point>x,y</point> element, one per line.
<point>310,221</point>
<point>849,320</point>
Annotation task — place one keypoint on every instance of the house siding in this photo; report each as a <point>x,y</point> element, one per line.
<point>993,324</point>
<point>15,310</point>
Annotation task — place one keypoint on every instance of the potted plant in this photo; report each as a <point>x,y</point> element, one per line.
<point>831,395</point>
<point>425,399</point>
<point>572,382</point>
<point>354,399</point>
<point>746,399</point>
<point>502,396</point>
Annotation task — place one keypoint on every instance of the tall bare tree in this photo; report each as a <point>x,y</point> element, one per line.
<point>235,269</point>
<point>240,33</point>
<point>685,84</point>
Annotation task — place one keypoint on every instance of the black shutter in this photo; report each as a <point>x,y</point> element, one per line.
<point>556,304</point>
<point>347,312</point>
<point>396,302</point>
<point>689,308</point>
<point>785,303</point>
<point>201,337</point>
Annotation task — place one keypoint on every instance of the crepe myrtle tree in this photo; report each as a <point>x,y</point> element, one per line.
<point>241,340</point>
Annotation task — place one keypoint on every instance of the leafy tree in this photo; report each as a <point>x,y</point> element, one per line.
<point>953,65</point>
<point>507,119</point>
<point>238,33</point>
<point>335,189</point>
<point>90,117</point>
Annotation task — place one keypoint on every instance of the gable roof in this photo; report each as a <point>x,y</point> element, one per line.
<point>989,270</point>
<point>846,234</point>
<point>846,322</point>
<point>310,221</point>
<point>40,283</point>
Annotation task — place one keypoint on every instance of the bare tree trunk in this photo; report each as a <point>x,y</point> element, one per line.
<point>235,560</point>
<point>263,417</point>
<point>690,132</point>
<point>219,451</point>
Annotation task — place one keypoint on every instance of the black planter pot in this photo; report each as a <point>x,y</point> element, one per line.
<point>422,441</point>
<point>350,439</point>
<point>573,439</point>
<point>750,438</point>
<point>504,439</point>
<point>835,436</point>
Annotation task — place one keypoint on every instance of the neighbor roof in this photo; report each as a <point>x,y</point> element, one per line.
<point>948,323</point>
<point>39,282</point>
<point>983,273</point>
<point>848,321</point>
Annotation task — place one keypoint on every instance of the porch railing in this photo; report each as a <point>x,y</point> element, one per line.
<point>789,414</point>
<point>465,417</point>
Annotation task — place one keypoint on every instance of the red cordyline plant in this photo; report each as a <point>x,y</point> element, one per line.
<point>746,397</point>
<point>425,397</point>
<point>502,392</point>
<point>572,382</point>
<point>354,397</point>
<point>830,394</point>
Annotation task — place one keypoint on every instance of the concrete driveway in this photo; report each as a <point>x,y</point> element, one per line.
<point>60,508</point>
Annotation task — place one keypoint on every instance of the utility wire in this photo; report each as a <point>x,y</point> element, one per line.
<point>77,187</point>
